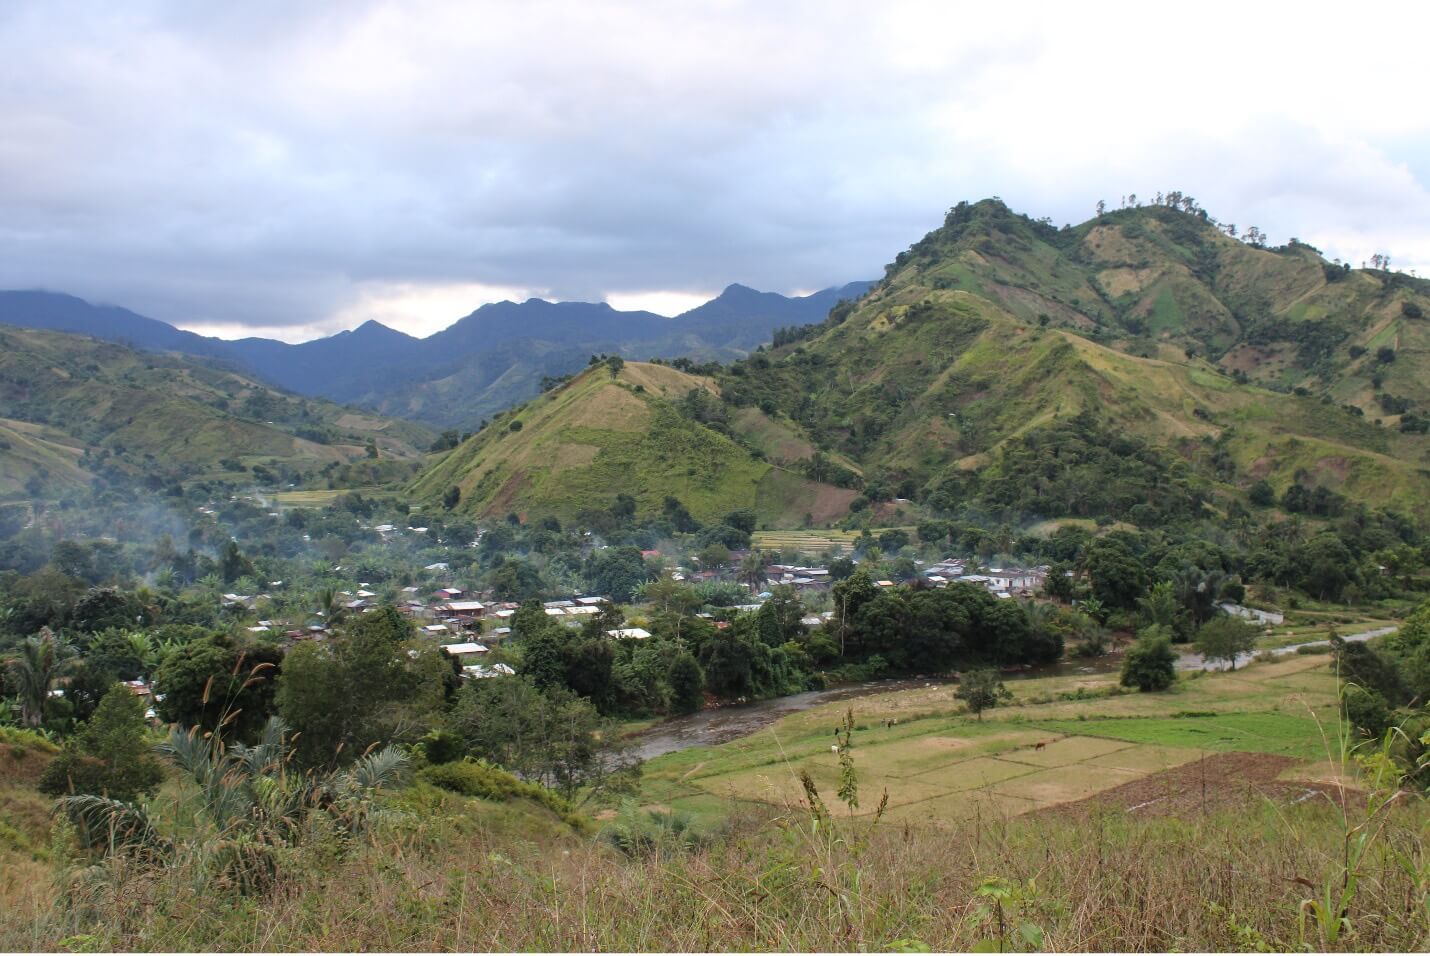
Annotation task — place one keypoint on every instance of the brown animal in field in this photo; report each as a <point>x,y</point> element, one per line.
<point>1041,745</point>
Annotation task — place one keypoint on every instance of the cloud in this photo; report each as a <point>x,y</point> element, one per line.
<point>661,302</point>
<point>297,168</point>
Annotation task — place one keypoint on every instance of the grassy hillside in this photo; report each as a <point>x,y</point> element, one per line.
<point>994,326</point>
<point>1232,362</point>
<point>1206,818</point>
<point>599,435</point>
<point>72,404</point>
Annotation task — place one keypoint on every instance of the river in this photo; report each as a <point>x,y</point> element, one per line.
<point>722,724</point>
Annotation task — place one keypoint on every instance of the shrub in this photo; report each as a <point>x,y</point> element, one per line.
<point>477,778</point>
<point>110,756</point>
<point>1150,664</point>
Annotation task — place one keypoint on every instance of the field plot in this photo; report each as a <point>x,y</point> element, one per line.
<point>809,542</point>
<point>1044,751</point>
<point>314,498</point>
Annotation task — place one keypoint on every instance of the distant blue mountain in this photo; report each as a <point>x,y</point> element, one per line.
<point>489,360</point>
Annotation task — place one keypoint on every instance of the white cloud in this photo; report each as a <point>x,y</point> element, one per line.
<point>270,166</point>
<point>667,303</point>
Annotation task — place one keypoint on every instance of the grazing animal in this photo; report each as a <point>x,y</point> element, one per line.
<point>834,748</point>
<point>1040,745</point>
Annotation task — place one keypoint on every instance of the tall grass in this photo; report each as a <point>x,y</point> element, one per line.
<point>1106,882</point>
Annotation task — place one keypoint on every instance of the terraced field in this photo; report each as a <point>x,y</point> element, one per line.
<point>809,542</point>
<point>1063,741</point>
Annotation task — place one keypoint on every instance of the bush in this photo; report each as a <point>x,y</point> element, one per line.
<point>110,756</point>
<point>1150,664</point>
<point>477,778</point>
<point>442,747</point>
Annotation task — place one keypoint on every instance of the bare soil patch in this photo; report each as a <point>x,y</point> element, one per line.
<point>1217,782</point>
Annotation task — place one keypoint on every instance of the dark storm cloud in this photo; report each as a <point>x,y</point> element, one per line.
<point>290,168</point>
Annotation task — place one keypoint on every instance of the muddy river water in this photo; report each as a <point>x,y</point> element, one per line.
<point>723,724</point>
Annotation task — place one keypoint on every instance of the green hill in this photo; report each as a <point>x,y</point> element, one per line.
<point>995,326</point>
<point>1225,362</point>
<point>580,445</point>
<point>72,406</point>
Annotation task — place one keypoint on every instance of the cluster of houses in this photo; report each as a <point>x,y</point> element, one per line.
<point>1000,582</point>
<point>797,577</point>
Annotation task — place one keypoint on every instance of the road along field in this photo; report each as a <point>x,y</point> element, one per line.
<point>1062,741</point>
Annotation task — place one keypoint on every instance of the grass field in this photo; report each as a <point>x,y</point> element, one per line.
<point>314,498</point>
<point>809,542</point>
<point>1061,740</point>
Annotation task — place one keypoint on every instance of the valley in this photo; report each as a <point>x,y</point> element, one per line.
<point>1048,533</point>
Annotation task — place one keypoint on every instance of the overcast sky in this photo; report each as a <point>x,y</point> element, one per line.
<point>292,169</point>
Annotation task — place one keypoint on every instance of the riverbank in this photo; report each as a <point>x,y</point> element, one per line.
<point>713,727</point>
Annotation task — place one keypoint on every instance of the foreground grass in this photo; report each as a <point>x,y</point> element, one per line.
<point>978,816</point>
<point>469,876</point>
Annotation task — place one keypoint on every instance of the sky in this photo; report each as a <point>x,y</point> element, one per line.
<point>294,169</point>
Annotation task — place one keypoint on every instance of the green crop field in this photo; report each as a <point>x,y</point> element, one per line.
<point>1062,739</point>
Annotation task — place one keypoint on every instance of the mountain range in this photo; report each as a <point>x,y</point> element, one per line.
<point>75,408</point>
<point>485,362</point>
<point>1001,349</point>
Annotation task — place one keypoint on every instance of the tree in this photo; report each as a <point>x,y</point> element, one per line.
<point>850,595</point>
<point>1224,638</point>
<point>209,683</point>
<point>742,519</point>
<point>614,364</point>
<point>687,684</point>
<point>1161,608</point>
<point>41,661</point>
<point>1150,664</point>
<point>371,683</point>
<point>109,756</point>
<point>713,555</point>
<point>1116,574</point>
<point>981,690</point>
<point>232,564</point>
<point>616,572</point>
<point>552,736</point>
<point>752,571</point>
<point>513,579</point>
<point>1262,494</point>
<point>452,497</point>
<point>1199,592</point>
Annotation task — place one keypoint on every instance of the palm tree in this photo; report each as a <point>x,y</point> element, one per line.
<point>145,651</point>
<point>330,606</point>
<point>248,802</point>
<point>41,661</point>
<point>1199,591</point>
<point>752,570</point>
